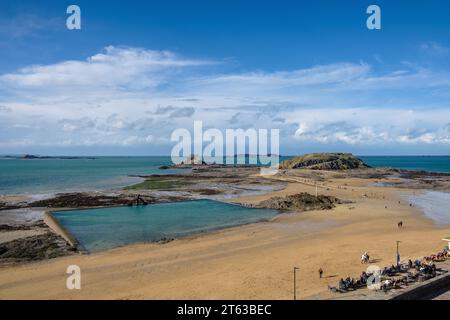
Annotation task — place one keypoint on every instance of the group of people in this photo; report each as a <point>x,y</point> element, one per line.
<point>438,257</point>
<point>394,283</point>
<point>353,284</point>
<point>347,284</point>
<point>425,269</point>
<point>394,270</point>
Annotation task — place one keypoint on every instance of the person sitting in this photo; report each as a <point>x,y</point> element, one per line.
<point>363,278</point>
<point>417,264</point>
<point>386,284</point>
<point>333,289</point>
<point>342,285</point>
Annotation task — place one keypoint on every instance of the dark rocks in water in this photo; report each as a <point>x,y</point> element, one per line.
<point>30,156</point>
<point>164,167</point>
<point>34,248</point>
<point>165,240</point>
<point>324,161</point>
<point>76,200</point>
<point>301,201</point>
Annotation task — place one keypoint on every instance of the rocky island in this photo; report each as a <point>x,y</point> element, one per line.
<point>324,161</point>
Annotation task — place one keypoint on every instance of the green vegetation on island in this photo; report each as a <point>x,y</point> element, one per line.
<point>324,161</point>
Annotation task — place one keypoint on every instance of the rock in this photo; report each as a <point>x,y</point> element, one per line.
<point>38,224</point>
<point>208,192</point>
<point>324,161</point>
<point>301,201</point>
<point>40,247</point>
<point>76,200</point>
<point>6,227</point>
<point>30,156</point>
<point>165,240</point>
<point>164,167</point>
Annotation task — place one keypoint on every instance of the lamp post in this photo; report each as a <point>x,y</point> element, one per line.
<point>295,283</point>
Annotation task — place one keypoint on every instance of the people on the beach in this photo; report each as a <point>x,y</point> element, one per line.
<point>320,272</point>
<point>422,270</point>
<point>365,258</point>
<point>138,200</point>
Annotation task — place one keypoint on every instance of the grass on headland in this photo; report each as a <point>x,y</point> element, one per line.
<point>158,184</point>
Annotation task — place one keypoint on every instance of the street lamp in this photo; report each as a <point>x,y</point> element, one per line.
<point>295,283</point>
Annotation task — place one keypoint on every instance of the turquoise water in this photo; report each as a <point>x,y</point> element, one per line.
<point>105,228</point>
<point>416,163</point>
<point>43,176</point>
<point>46,176</point>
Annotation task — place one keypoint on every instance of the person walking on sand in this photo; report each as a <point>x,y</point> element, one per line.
<point>320,273</point>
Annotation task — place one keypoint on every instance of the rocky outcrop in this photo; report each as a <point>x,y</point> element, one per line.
<point>324,161</point>
<point>76,200</point>
<point>44,246</point>
<point>38,224</point>
<point>301,201</point>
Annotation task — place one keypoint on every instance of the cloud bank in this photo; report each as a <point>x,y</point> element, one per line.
<point>125,96</point>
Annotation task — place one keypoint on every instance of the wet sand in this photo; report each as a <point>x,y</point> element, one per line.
<point>248,262</point>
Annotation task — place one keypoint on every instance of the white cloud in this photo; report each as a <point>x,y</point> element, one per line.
<point>116,68</point>
<point>372,127</point>
<point>132,96</point>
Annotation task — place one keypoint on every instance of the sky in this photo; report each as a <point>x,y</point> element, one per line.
<point>138,70</point>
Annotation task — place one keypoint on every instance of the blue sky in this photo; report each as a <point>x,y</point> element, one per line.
<point>140,69</point>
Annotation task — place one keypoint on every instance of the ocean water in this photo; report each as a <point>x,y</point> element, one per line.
<point>46,176</point>
<point>105,228</point>
<point>434,204</point>
<point>416,163</point>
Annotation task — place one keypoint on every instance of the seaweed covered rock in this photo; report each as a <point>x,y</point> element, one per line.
<point>80,199</point>
<point>301,201</point>
<point>40,247</point>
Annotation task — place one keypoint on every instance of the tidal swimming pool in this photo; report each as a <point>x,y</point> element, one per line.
<point>106,228</point>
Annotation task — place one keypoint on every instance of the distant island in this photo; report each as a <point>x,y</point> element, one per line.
<point>31,157</point>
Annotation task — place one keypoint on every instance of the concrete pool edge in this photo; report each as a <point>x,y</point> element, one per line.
<point>59,229</point>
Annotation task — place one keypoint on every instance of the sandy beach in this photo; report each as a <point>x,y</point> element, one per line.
<point>252,261</point>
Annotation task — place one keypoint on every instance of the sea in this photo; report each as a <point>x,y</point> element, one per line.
<point>51,175</point>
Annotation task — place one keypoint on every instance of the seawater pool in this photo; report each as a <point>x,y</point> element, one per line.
<point>106,228</point>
